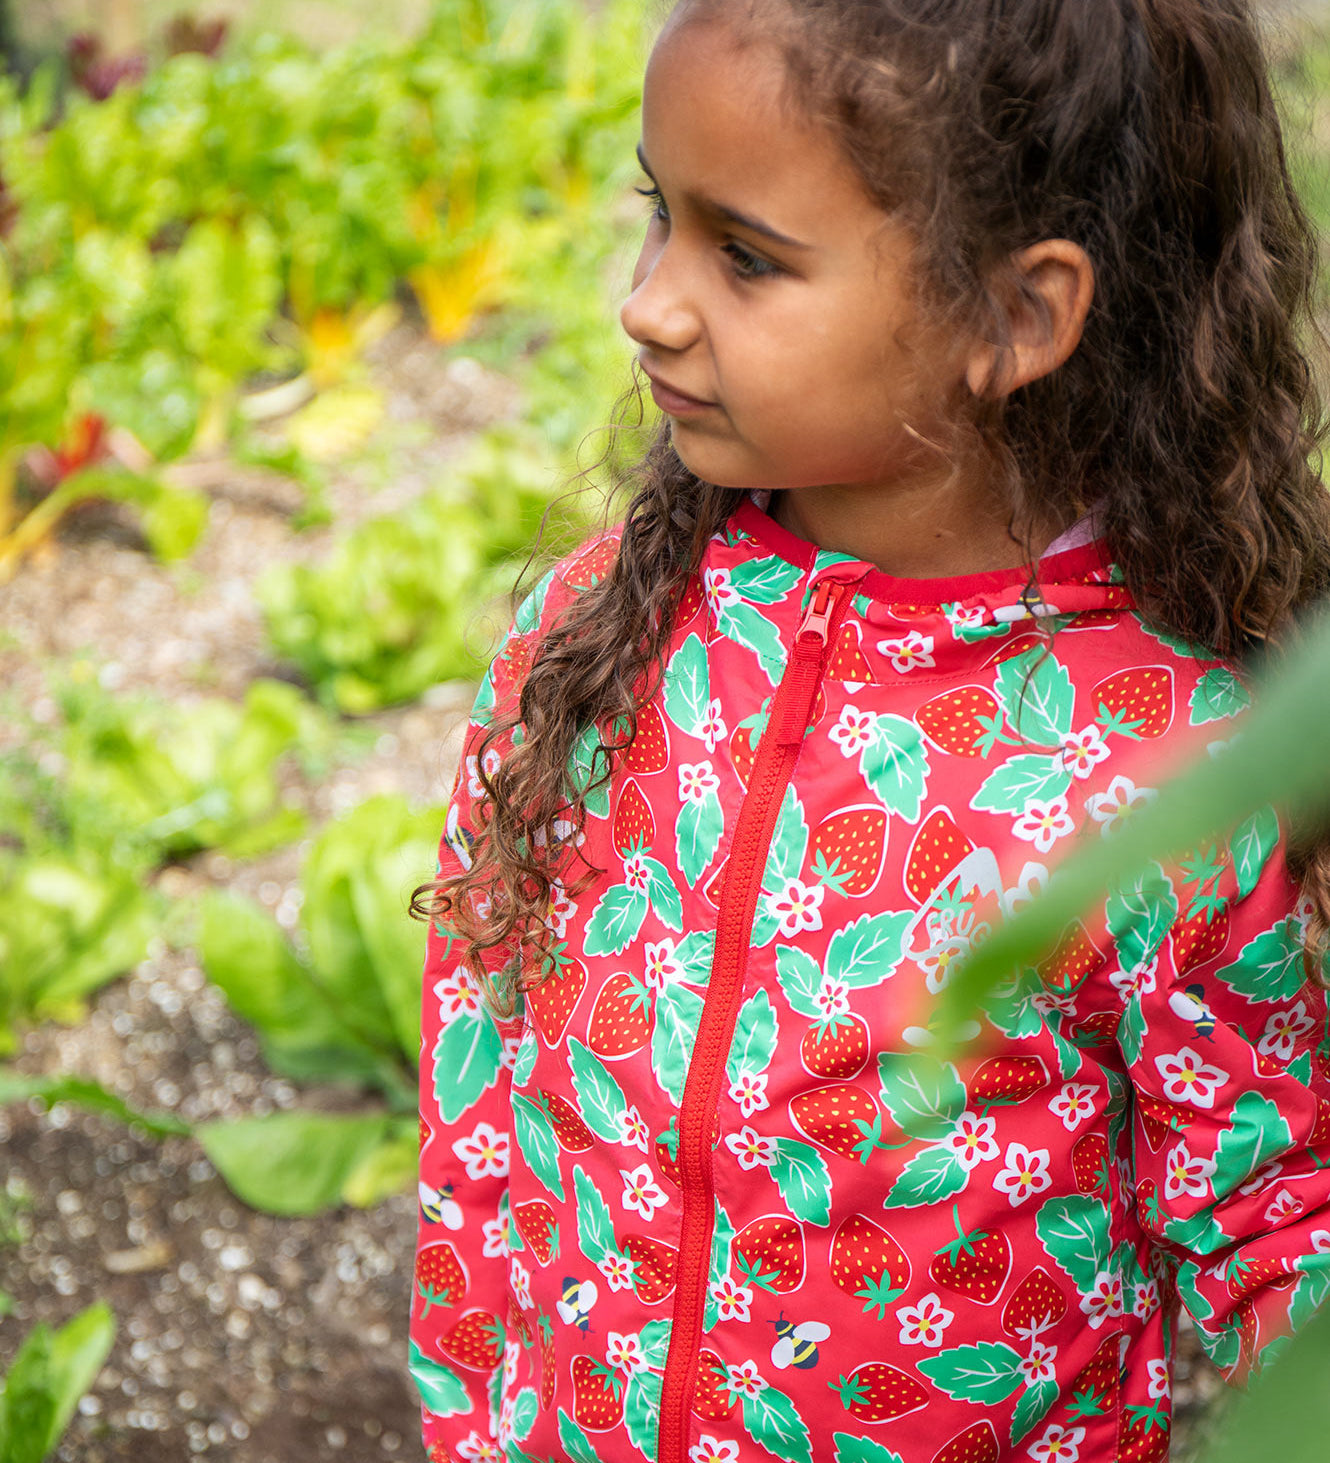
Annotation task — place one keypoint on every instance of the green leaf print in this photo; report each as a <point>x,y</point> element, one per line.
<point>1258,1133</point>
<point>764,581</point>
<point>663,895</point>
<point>1131,1030</point>
<point>722,1236</point>
<point>1252,846</point>
<point>1311,1292</point>
<point>1268,968</point>
<point>1187,649</point>
<point>1140,915</point>
<point>527,1051</point>
<point>753,630</point>
<point>584,763</point>
<point>930,1176</point>
<point>534,1135</point>
<point>697,833</point>
<point>800,977</point>
<point>1037,696</point>
<point>599,1096</point>
<point>1032,1406</point>
<point>440,1388</point>
<point>616,920</point>
<point>850,1449</point>
<point>641,1411</point>
<point>754,1037</point>
<point>895,765</point>
<point>801,1175</point>
<point>923,1095</point>
<point>466,1062</point>
<point>529,611</point>
<point>1074,1231</point>
<point>595,1227</point>
<point>686,688</point>
<point>678,1010</point>
<point>654,1338</point>
<point>695,952</point>
<point>525,1407</point>
<point>574,1441</point>
<point>771,1421</point>
<point>867,951</point>
<point>1218,695</point>
<point>1198,1308</point>
<point>1013,1007</point>
<point>1021,781</point>
<point>789,844</point>
<point>985,1372</point>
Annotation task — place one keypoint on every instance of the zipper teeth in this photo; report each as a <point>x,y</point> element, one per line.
<point>754,828</point>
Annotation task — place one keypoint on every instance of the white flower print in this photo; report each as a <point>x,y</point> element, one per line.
<point>1188,1077</point>
<point>1320,1241</point>
<point>1024,1174</point>
<point>484,1152</point>
<point>1140,980</point>
<point>712,1450</point>
<point>714,731</point>
<point>853,732</point>
<point>1266,1174</point>
<point>494,1239</point>
<point>489,765</point>
<point>1283,1206</point>
<point>1058,1445</point>
<point>1157,1371</point>
<point>508,1051</point>
<point>456,996</point>
<point>833,997</point>
<point>744,1380</point>
<point>718,589</point>
<point>751,1149</point>
<point>1034,877</point>
<point>641,1192</point>
<point>1083,751</point>
<point>1184,1174</point>
<point>476,1449</point>
<point>749,1090</point>
<point>1282,1031</point>
<point>911,653</point>
<point>939,962</point>
<point>972,1141</point>
<point>1145,1299</point>
<point>1104,1300</point>
<point>624,1353</point>
<point>633,1130</point>
<point>635,873</point>
<point>1038,1366</point>
<point>696,780</point>
<point>1074,1104</point>
<point>924,1324</point>
<point>962,617</point>
<point>560,911</point>
<point>798,907</point>
<point>519,1282</point>
<point>617,1270</point>
<point>732,1299</point>
<point>1114,806</point>
<point>1043,823</point>
<point>660,966</point>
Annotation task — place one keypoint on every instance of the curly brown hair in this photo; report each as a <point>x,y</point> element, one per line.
<point>1187,419</point>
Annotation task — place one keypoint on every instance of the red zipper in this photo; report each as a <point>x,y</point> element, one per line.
<point>777,752</point>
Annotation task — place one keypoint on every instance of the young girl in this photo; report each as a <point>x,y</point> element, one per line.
<point>974,327</point>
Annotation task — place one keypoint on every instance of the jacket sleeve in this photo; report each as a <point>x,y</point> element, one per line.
<point>1226,1044</point>
<point>459,1298</point>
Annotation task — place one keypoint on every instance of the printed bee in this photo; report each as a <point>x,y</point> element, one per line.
<point>439,1206</point>
<point>574,1305</point>
<point>797,1345</point>
<point>1190,1005</point>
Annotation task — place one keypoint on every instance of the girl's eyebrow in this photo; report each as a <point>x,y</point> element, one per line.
<point>731,215</point>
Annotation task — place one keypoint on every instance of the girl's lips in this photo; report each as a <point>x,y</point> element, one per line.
<point>675,403</point>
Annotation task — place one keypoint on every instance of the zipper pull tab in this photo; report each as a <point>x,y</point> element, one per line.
<point>817,617</point>
<point>794,706</point>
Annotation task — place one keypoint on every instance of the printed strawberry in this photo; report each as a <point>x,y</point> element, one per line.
<point>1036,1305</point>
<point>712,1400</point>
<point>975,1265</point>
<point>475,1342</point>
<point>549,1366</point>
<point>1005,1081</point>
<point>743,746</point>
<point>539,1229</point>
<point>867,1263</point>
<point>665,1146</point>
<point>836,1047</point>
<point>634,828</point>
<point>438,1453</point>
<point>1018,645</point>
<point>841,1118</point>
<point>572,1133</point>
<point>1094,1392</point>
<point>1097,1031</point>
<point>1320,1132</point>
<point>426,1133</point>
<point>1072,961</point>
<point>517,658</point>
<point>1200,938</point>
<point>1243,1277</point>
<point>1136,703</point>
<point>651,746</point>
<point>1089,1163</point>
<point>769,1254</point>
<point>877,1392</point>
<point>848,849</point>
<point>440,1278</point>
<point>518,1323</point>
<point>846,662</point>
<point>554,1000</point>
<point>1249,1329</point>
<point>965,722</point>
<point>1159,1119</point>
<point>592,564</point>
<point>714,888</point>
<point>1146,1437</point>
<point>653,1272</point>
<point>938,847</point>
<point>597,1395</point>
<point>621,1018</point>
<point>977,1444</point>
<point>690,601</point>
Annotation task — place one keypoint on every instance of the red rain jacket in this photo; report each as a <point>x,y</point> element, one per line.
<point>715,1200</point>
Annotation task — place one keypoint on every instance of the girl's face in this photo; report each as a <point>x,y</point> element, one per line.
<point>773,300</point>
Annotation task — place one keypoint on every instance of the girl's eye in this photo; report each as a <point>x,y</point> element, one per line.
<point>748,265</point>
<point>658,201</point>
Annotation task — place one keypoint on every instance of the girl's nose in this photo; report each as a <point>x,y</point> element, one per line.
<point>659,311</point>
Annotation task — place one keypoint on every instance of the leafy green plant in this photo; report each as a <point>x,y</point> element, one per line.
<point>42,1387</point>
<point>393,609</point>
<point>341,1004</point>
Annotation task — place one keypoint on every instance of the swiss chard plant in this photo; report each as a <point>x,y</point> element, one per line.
<point>50,1372</point>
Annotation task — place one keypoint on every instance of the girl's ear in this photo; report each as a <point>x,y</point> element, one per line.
<point>1045,316</point>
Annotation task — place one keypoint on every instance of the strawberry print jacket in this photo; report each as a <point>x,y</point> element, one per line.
<point>711,1198</point>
